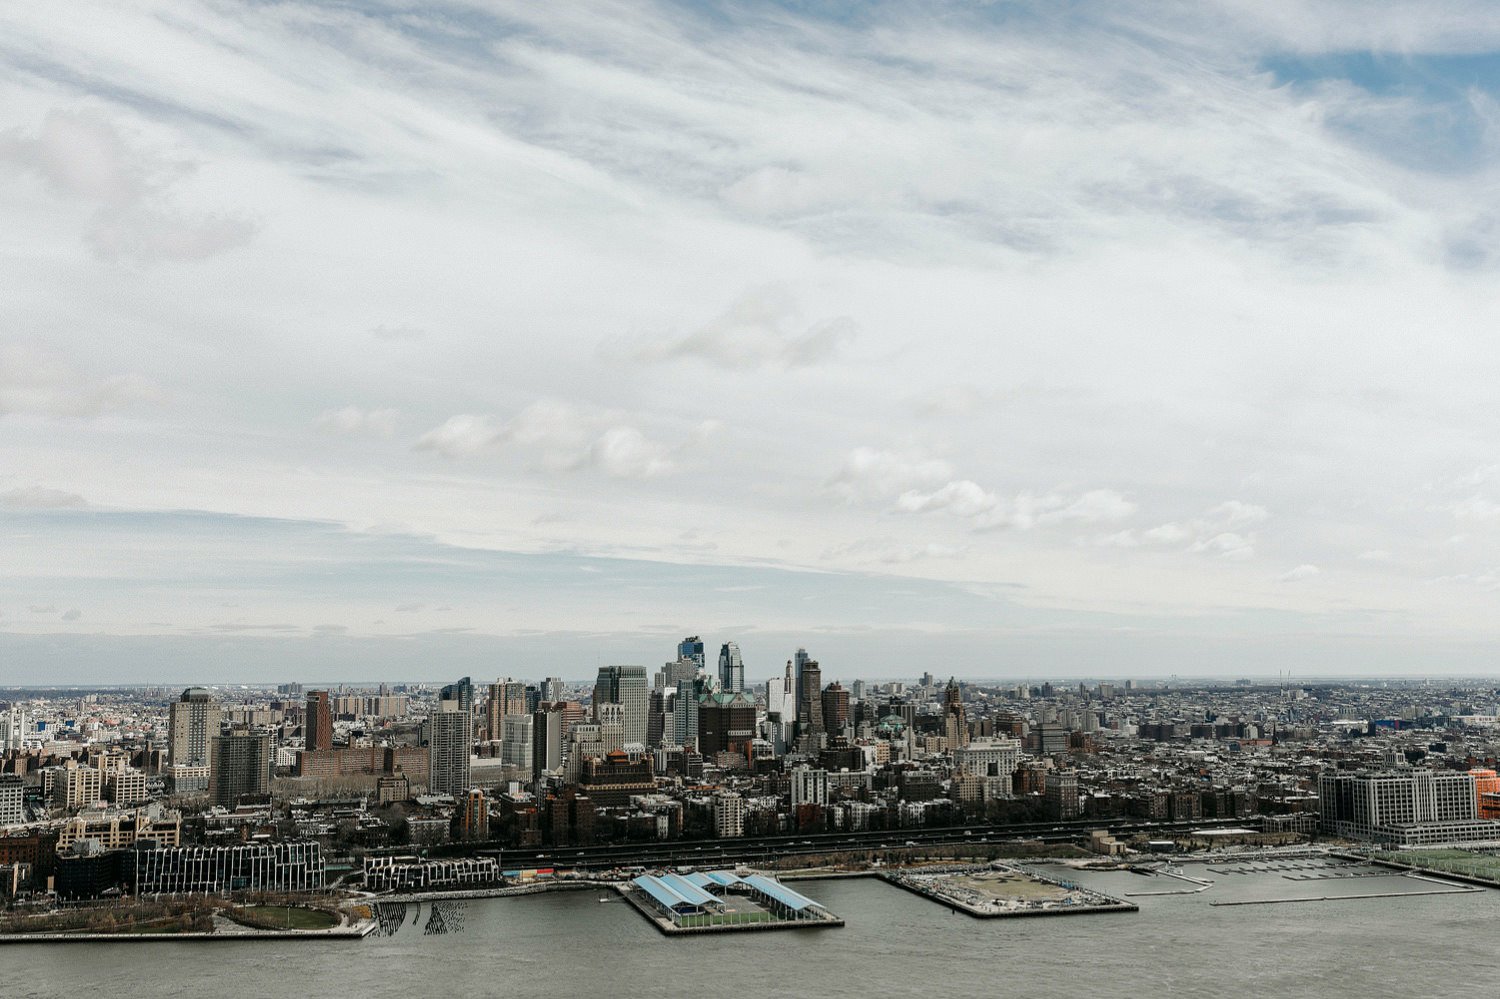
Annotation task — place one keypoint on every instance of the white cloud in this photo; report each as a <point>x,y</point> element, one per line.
<point>1299,573</point>
<point>624,452</point>
<point>962,498</point>
<point>877,473</point>
<point>352,420</point>
<point>758,331</point>
<point>1226,544</point>
<point>37,379</point>
<point>566,437</point>
<point>40,498</point>
<point>460,436</point>
<point>82,156</point>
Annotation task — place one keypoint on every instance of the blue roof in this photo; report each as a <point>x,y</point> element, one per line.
<point>700,879</point>
<point>778,891</point>
<point>662,893</point>
<point>723,878</point>
<point>689,891</point>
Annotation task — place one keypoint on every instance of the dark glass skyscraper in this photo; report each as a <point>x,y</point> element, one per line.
<point>731,668</point>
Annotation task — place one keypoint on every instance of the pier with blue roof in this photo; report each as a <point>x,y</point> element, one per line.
<point>721,901</point>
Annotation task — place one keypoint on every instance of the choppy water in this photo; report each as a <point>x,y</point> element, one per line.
<point>895,944</point>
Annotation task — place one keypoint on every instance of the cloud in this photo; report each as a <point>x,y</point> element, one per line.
<point>758,331</point>
<point>567,437</point>
<point>83,157</point>
<point>624,452</point>
<point>351,421</point>
<point>1299,573</point>
<point>460,436</point>
<point>876,473</point>
<point>37,379</point>
<point>1226,544</point>
<point>72,614</point>
<point>962,498</point>
<point>40,498</point>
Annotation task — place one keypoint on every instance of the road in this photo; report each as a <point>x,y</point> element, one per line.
<point>759,850</point>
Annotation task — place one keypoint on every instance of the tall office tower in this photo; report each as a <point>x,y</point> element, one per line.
<point>677,674</point>
<point>810,729</point>
<point>461,692</point>
<point>192,722</point>
<point>241,766</point>
<point>507,700</point>
<point>626,686</point>
<point>685,709</point>
<point>317,729</point>
<point>857,691</point>
<point>955,721</point>
<point>548,729</point>
<point>13,728</point>
<point>515,741</point>
<point>658,722</point>
<point>692,648</point>
<point>448,744</point>
<point>799,660</point>
<point>731,668</point>
<point>533,697</point>
<point>835,707</point>
<point>781,696</point>
<point>12,800</point>
<point>552,689</point>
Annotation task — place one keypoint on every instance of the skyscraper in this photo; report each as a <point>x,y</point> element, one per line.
<point>448,752</point>
<point>626,686</point>
<point>461,692</point>
<point>692,648</point>
<point>810,727</point>
<point>955,721</point>
<point>192,721</point>
<point>241,767</point>
<point>13,728</point>
<point>835,707</point>
<point>799,660</point>
<point>731,668</point>
<point>552,689</point>
<point>548,730</point>
<point>317,729</point>
<point>507,699</point>
<point>516,741</point>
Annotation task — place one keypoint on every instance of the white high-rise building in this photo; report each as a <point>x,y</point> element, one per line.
<point>809,786</point>
<point>729,815</point>
<point>628,687</point>
<point>12,800</point>
<point>516,741</point>
<point>448,745</point>
<point>193,722</point>
<point>13,728</point>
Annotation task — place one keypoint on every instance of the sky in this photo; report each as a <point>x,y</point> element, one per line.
<point>389,340</point>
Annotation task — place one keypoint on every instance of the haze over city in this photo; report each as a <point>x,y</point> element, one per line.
<point>391,341</point>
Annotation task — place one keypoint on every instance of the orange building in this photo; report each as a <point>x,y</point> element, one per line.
<point>1486,793</point>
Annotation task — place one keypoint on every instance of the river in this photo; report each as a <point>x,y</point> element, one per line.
<point>895,944</point>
